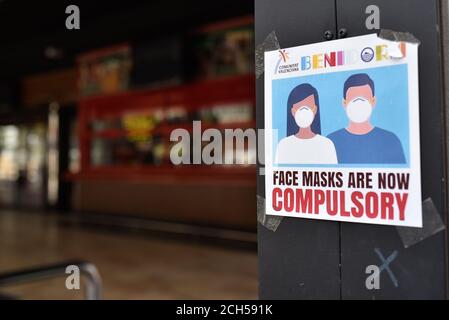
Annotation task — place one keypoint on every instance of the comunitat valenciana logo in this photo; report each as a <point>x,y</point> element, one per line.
<point>284,64</point>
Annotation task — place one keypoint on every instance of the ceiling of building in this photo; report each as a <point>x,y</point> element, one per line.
<point>29,28</point>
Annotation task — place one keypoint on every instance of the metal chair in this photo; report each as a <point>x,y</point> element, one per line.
<point>93,284</point>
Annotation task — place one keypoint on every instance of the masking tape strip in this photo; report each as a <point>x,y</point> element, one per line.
<point>270,222</point>
<point>269,44</point>
<point>432,224</point>
<point>398,36</point>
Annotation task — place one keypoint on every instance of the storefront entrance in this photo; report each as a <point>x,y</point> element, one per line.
<point>22,166</point>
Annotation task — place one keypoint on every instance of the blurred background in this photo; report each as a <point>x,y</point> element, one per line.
<point>85,123</point>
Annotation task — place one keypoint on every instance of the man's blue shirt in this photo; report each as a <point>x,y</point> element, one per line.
<point>377,146</point>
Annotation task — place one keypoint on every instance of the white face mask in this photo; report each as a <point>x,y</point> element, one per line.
<point>359,110</point>
<point>304,117</point>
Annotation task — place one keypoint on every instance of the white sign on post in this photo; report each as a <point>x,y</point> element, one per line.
<point>342,132</point>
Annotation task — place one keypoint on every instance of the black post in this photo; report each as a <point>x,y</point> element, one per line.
<point>307,259</point>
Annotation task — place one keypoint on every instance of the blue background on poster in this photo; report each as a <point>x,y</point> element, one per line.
<point>390,113</point>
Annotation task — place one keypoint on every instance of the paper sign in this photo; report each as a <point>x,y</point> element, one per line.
<point>342,132</point>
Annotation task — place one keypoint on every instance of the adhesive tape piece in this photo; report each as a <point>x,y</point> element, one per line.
<point>269,44</point>
<point>398,36</point>
<point>270,222</point>
<point>432,224</point>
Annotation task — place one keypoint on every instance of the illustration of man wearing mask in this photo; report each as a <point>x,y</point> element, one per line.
<point>303,144</point>
<point>361,142</point>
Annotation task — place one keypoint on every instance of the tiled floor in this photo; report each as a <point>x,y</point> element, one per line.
<point>131,266</point>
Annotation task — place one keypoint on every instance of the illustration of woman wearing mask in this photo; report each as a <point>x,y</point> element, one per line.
<point>303,144</point>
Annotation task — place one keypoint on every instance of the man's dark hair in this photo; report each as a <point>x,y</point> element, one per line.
<point>358,80</point>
